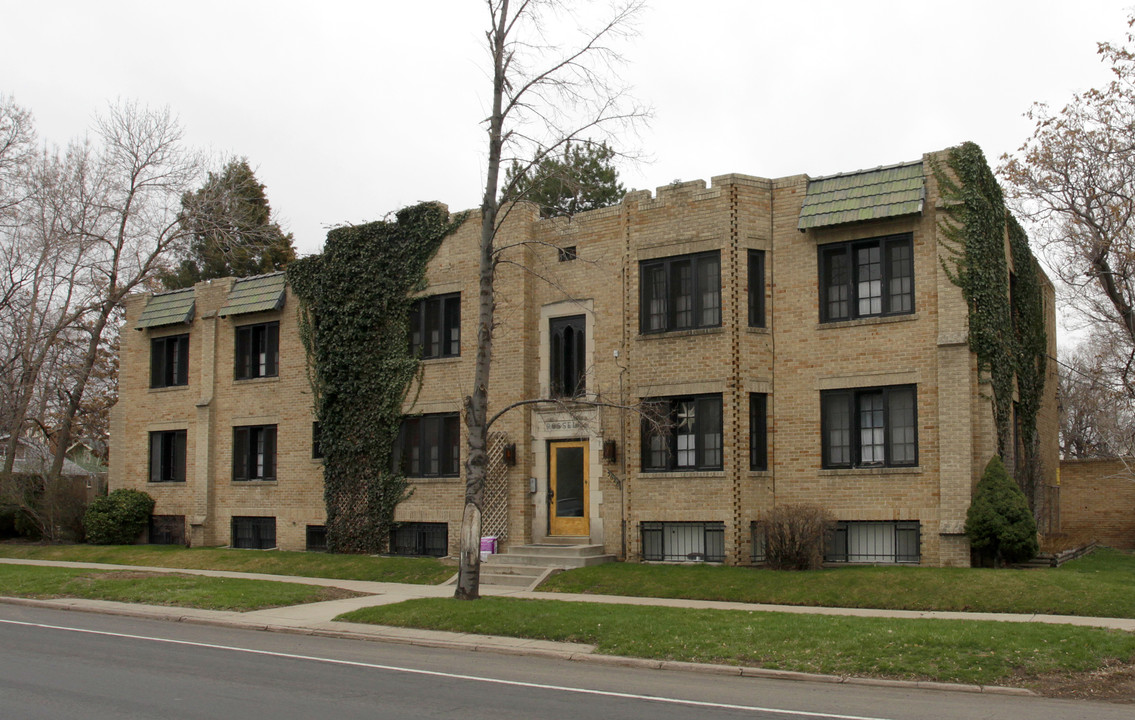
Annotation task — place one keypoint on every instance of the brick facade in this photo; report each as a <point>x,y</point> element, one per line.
<point>795,359</point>
<point>1097,501</point>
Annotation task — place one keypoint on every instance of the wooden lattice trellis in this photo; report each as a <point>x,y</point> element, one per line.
<point>494,517</point>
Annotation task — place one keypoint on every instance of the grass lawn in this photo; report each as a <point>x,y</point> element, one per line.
<point>988,653</point>
<point>1099,585</point>
<point>194,591</point>
<point>420,571</point>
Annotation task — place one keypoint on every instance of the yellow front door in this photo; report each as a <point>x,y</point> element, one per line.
<point>568,488</point>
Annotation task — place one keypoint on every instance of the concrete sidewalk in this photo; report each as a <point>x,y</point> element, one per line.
<point>318,619</point>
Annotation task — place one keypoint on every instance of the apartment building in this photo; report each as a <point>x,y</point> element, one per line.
<point>791,340</point>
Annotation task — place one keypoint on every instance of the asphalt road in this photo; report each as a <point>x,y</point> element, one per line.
<point>57,664</point>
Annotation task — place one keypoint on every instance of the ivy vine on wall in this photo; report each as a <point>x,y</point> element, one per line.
<point>1031,358</point>
<point>1006,320</point>
<point>353,317</point>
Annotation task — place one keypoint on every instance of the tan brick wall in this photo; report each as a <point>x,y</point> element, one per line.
<point>792,359</point>
<point>813,356</point>
<point>209,407</point>
<point>1097,500</point>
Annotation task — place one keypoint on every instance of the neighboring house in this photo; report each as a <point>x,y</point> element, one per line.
<point>77,486</point>
<point>800,335</point>
<point>35,458</point>
<point>89,455</point>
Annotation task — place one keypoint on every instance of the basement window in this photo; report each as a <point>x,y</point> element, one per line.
<point>429,539</point>
<point>167,529</point>
<point>683,541</point>
<point>256,533</point>
<point>874,542</point>
<point>316,538</point>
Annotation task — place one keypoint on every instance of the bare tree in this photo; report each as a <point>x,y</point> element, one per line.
<point>1074,179</point>
<point>545,94</point>
<point>44,292</point>
<point>92,224</point>
<point>1097,418</point>
<point>44,295</point>
<point>129,216</point>
<point>17,145</point>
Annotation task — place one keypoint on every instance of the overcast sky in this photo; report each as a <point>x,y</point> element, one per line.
<point>348,110</point>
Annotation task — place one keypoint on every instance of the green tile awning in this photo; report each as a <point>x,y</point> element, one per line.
<point>172,308</point>
<point>255,294</point>
<point>865,195</point>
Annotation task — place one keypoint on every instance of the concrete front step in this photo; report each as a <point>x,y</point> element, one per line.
<point>556,550</point>
<point>498,571</point>
<point>527,564</point>
<point>562,557</point>
<point>524,581</point>
<point>564,562</point>
<point>505,568</point>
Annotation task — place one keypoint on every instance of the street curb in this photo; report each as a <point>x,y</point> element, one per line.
<point>479,645</point>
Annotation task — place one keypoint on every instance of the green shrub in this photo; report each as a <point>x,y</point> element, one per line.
<point>119,518</point>
<point>999,523</point>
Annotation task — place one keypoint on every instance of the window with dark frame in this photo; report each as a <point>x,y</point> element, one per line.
<point>567,355</point>
<point>316,448</point>
<point>683,541</point>
<point>867,278</point>
<point>680,293</point>
<point>758,431</point>
<point>869,427</point>
<point>758,541</point>
<point>429,446</point>
<point>169,361</point>
<point>757,288</point>
<point>430,539</point>
<point>167,530</point>
<point>167,456</point>
<point>435,326</point>
<point>254,453</point>
<point>316,538</point>
<point>567,254</point>
<point>867,541</point>
<point>682,433</point>
<point>257,351</point>
<point>255,533</point>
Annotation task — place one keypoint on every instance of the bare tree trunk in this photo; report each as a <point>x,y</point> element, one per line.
<point>50,307</point>
<point>477,404</point>
<point>75,394</point>
<point>527,102</point>
<point>29,379</point>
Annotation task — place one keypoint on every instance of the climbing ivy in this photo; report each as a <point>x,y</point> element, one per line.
<point>354,305</point>
<point>975,234</point>
<point>1006,325</point>
<point>1031,358</point>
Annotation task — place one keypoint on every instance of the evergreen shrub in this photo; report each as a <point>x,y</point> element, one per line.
<point>118,518</point>
<point>999,523</point>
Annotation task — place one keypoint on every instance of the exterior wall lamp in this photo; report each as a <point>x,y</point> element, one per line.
<point>609,451</point>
